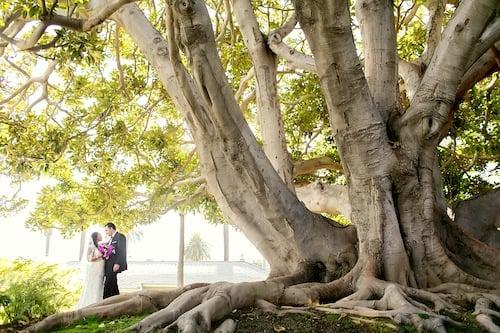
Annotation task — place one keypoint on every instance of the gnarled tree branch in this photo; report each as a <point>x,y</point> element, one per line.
<point>379,47</point>
<point>97,17</point>
<point>325,198</point>
<point>294,57</point>
<point>430,108</point>
<point>489,38</point>
<point>304,167</point>
<point>264,64</point>
<point>434,27</point>
<point>411,74</point>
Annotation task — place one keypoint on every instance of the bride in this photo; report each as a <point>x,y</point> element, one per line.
<point>94,273</point>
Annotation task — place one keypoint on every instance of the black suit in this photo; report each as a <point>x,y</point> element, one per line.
<point>119,242</point>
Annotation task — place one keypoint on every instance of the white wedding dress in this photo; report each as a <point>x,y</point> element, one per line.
<point>93,270</point>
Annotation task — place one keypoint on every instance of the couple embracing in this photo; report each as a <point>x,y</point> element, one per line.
<point>105,259</point>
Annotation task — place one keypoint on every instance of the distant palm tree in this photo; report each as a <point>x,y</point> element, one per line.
<point>197,249</point>
<point>134,236</point>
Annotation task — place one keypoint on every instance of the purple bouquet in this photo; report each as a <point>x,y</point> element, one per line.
<point>106,250</point>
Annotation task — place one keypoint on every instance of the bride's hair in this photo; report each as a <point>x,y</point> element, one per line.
<point>94,238</point>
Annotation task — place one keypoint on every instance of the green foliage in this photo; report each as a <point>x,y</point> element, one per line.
<point>30,291</point>
<point>100,325</point>
<point>208,207</point>
<point>28,8</point>
<point>113,150</point>
<point>11,204</point>
<point>411,43</point>
<point>338,218</point>
<point>469,155</point>
<point>305,111</point>
<point>77,47</point>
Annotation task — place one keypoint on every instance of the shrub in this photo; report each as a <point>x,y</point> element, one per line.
<point>30,291</point>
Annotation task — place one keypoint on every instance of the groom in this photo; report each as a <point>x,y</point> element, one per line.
<point>117,261</point>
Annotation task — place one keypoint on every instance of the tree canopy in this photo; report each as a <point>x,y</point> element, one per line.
<point>86,109</point>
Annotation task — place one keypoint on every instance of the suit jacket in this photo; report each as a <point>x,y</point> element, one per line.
<point>119,242</point>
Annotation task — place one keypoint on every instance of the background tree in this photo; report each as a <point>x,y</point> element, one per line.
<point>48,236</point>
<point>197,248</point>
<point>390,113</point>
<point>226,241</point>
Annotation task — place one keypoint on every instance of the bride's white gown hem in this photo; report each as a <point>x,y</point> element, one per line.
<point>93,287</point>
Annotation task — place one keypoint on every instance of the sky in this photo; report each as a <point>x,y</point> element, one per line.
<point>159,240</point>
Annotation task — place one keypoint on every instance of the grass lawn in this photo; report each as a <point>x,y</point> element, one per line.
<point>256,321</point>
<point>97,325</point>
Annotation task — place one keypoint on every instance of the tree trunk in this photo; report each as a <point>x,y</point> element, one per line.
<point>480,216</point>
<point>48,235</point>
<point>357,128</point>
<point>261,204</point>
<point>265,67</point>
<point>82,244</point>
<point>395,191</point>
<point>234,202</point>
<point>180,261</point>
<point>226,242</point>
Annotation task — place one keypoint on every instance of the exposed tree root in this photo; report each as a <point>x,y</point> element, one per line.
<point>116,306</point>
<point>405,305</point>
<point>180,305</point>
<point>279,311</point>
<point>370,297</point>
<point>227,326</point>
<point>395,304</point>
<point>194,308</point>
<point>221,299</point>
<point>195,311</point>
<point>484,313</point>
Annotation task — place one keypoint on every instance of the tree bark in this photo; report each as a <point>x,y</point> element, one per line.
<point>325,198</point>
<point>48,235</point>
<point>215,98</point>
<point>180,260</point>
<point>265,67</point>
<point>421,203</point>
<point>261,204</point>
<point>371,163</point>
<point>434,27</point>
<point>226,242</point>
<point>82,244</point>
<point>278,252</point>
<point>312,165</point>
<point>360,133</point>
<point>480,216</point>
<point>379,47</point>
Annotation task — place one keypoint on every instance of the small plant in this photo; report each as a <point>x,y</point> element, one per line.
<point>30,291</point>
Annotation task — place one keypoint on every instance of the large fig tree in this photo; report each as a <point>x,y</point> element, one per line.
<point>402,257</point>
